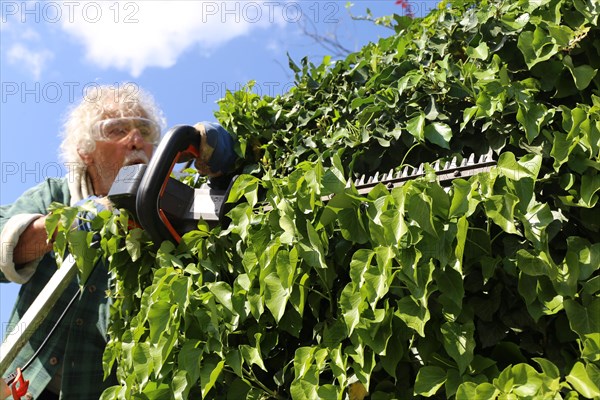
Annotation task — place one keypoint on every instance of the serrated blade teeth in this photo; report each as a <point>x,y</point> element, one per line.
<point>471,159</point>
<point>464,162</point>
<point>420,170</point>
<point>405,172</point>
<point>373,178</point>
<point>390,175</point>
<point>361,180</point>
<point>452,163</point>
<point>436,165</point>
<point>487,156</point>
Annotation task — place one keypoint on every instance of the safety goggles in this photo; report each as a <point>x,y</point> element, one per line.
<point>116,129</point>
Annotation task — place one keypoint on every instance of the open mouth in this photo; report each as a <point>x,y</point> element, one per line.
<point>136,157</point>
<point>135,161</point>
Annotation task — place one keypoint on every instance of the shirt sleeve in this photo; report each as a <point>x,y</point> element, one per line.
<point>16,217</point>
<point>9,237</point>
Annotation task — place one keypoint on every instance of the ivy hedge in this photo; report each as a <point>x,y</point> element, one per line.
<point>486,289</point>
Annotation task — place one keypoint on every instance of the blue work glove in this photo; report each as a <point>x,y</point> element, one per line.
<point>217,155</point>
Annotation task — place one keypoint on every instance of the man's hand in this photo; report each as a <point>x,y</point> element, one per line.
<point>217,155</point>
<point>4,390</point>
<point>33,242</point>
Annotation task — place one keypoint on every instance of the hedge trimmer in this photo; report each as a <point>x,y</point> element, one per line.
<point>166,208</point>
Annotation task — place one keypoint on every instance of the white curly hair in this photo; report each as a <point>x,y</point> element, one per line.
<point>101,102</point>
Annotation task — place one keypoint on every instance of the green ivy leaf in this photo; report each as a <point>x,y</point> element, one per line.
<point>480,52</point>
<point>591,348</point>
<point>471,390</point>
<point>429,380</point>
<point>361,261</point>
<point>179,385</point>
<point>562,35</point>
<point>583,320</point>
<point>590,185</point>
<point>501,209</point>
<point>289,229</point>
<point>438,133</point>
<point>313,251</point>
<point>303,359</point>
<point>86,256</point>
<point>549,369</point>
<point>251,355</point>
<point>223,294</point>
<point>394,226</point>
<point>142,362</point>
<point>349,303</point>
<point>459,203</point>
<point>276,296</point>
<point>535,264</point>
<point>459,343</point>
<point>414,315</point>
<point>532,117</point>
<point>450,284</point>
<point>159,315</point>
<point>416,126</point>
<point>419,208</point>
<point>580,379</point>
<point>209,373</point>
<point>154,391</point>
<point>582,75</point>
<point>133,243</point>
<point>528,167</point>
<point>189,359</point>
<point>333,178</point>
<point>536,46</point>
<point>520,379</point>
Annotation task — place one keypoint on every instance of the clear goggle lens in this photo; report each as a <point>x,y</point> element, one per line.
<point>115,129</point>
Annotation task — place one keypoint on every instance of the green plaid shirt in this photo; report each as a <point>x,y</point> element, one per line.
<point>76,347</point>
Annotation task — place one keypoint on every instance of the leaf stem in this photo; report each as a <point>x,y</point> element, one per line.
<point>252,378</point>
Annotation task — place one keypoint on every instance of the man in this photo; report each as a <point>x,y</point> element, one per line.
<point>114,128</point>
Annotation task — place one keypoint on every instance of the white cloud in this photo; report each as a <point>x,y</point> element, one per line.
<point>31,60</point>
<point>30,35</point>
<point>274,46</point>
<point>20,45</point>
<point>133,36</point>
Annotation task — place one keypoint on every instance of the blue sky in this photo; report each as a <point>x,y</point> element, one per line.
<point>186,53</point>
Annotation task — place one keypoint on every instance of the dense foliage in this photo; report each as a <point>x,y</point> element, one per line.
<point>486,289</point>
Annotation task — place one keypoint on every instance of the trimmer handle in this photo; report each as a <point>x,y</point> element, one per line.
<point>180,144</point>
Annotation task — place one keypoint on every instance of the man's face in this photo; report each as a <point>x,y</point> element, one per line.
<point>120,141</point>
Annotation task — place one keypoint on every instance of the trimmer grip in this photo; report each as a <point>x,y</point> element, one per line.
<point>181,143</point>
